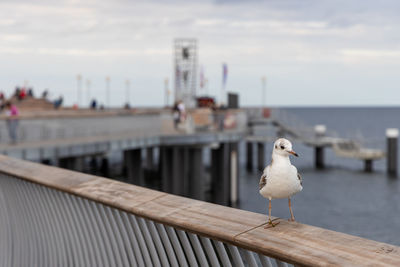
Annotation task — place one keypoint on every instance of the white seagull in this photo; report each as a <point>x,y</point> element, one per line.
<point>280,179</point>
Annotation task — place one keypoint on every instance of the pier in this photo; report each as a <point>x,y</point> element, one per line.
<point>315,137</point>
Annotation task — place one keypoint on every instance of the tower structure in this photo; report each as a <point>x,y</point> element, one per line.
<point>185,60</point>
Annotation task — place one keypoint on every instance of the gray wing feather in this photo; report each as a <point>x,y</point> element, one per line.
<point>300,179</point>
<point>263,179</point>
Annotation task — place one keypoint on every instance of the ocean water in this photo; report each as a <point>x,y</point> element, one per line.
<point>340,197</point>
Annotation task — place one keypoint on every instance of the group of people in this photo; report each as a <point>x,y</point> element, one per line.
<point>22,93</point>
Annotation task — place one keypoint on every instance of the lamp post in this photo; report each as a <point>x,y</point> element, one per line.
<point>78,89</point>
<point>167,92</point>
<point>108,91</point>
<point>128,91</point>
<point>264,82</point>
<point>88,83</point>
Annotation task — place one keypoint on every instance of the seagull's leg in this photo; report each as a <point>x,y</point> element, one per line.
<point>270,223</point>
<point>291,212</point>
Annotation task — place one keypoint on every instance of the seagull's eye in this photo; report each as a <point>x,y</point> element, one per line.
<point>282,147</point>
<point>276,147</point>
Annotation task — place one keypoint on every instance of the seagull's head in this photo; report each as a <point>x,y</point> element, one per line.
<point>283,147</point>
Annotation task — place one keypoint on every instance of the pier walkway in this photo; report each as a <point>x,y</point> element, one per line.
<point>56,217</point>
<point>313,136</point>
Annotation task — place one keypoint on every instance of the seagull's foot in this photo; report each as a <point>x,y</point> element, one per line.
<point>271,224</point>
<point>291,220</point>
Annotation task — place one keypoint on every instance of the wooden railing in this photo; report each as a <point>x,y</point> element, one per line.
<point>55,217</point>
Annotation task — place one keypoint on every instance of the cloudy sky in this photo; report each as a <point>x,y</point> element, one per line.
<point>313,52</point>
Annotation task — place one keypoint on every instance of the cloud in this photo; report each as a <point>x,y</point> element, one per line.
<point>120,37</point>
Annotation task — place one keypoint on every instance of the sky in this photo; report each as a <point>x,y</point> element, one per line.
<point>312,52</point>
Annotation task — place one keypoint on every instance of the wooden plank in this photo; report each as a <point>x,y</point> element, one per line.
<point>313,246</point>
<point>212,220</point>
<point>53,177</point>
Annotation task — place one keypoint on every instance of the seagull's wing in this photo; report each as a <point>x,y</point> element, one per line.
<point>263,179</point>
<point>300,179</point>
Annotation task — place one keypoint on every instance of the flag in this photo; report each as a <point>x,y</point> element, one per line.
<point>224,73</point>
<point>201,77</point>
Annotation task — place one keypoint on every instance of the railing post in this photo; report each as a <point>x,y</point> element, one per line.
<point>392,135</point>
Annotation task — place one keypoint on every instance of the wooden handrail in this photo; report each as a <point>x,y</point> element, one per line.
<point>296,243</point>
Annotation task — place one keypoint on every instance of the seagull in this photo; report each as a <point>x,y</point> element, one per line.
<point>280,179</point>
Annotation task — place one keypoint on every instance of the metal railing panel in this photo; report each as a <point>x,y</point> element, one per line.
<point>141,239</point>
<point>265,261</point>
<point>157,241</point>
<point>222,253</point>
<point>95,222</point>
<point>110,236</point>
<point>167,244</point>
<point>103,234</point>
<point>117,236</point>
<point>149,241</point>
<point>187,248</point>
<point>126,243</point>
<point>194,240</point>
<point>249,256</point>
<point>132,237</point>
<point>210,251</point>
<point>236,258</point>
<point>177,246</point>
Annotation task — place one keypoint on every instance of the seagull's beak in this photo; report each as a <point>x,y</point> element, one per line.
<point>293,153</point>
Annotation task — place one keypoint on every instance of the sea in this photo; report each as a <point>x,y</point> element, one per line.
<point>341,197</point>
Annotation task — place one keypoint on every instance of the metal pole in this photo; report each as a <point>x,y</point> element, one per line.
<point>88,83</point>
<point>392,135</point>
<point>128,91</point>
<point>108,91</point>
<point>78,89</point>
<point>263,81</point>
<point>166,92</point>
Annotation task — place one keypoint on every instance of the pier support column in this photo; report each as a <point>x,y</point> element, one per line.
<point>174,170</point>
<point>196,174</point>
<point>104,167</point>
<point>249,152</point>
<point>320,131</point>
<point>133,165</point>
<point>166,168</point>
<point>179,167</point>
<point>224,174</point>
<point>392,135</point>
<point>234,174</point>
<point>93,165</point>
<point>368,165</point>
<point>149,158</point>
<point>72,163</point>
<point>261,156</point>
<point>319,157</point>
